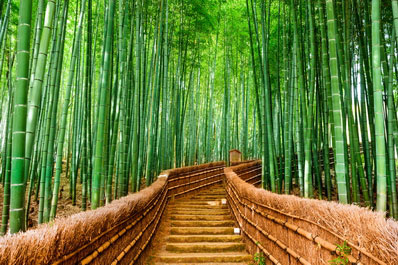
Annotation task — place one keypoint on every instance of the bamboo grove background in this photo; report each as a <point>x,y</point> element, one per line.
<point>106,94</point>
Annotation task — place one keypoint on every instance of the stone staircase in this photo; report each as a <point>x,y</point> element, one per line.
<point>201,231</point>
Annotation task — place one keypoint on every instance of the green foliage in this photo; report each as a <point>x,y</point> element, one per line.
<point>259,259</point>
<point>343,251</point>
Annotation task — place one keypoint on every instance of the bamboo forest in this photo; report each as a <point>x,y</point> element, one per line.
<point>99,98</point>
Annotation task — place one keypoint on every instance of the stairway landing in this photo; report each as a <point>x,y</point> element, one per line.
<point>199,230</point>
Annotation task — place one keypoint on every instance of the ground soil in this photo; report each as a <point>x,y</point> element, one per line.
<point>65,207</point>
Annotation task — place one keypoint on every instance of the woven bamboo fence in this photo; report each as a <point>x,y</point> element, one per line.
<point>118,233</point>
<point>292,230</point>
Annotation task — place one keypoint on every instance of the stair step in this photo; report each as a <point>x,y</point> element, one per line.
<point>203,257</point>
<point>186,217</point>
<point>194,223</point>
<point>218,193</point>
<point>211,263</point>
<point>216,190</point>
<point>198,211</point>
<point>205,247</point>
<point>202,231</point>
<point>211,197</point>
<point>222,190</point>
<point>194,207</point>
<point>202,198</point>
<point>197,202</point>
<point>204,238</point>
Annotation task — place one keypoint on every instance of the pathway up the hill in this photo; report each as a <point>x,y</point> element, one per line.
<point>200,230</point>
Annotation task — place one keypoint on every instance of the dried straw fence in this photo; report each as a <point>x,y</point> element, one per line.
<point>292,230</point>
<point>118,233</point>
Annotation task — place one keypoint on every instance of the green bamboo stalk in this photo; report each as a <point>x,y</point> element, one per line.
<point>308,187</point>
<point>98,157</point>
<point>55,80</point>
<point>327,90</point>
<point>381,161</point>
<point>64,113</point>
<point>17,199</point>
<point>289,127</point>
<point>394,4</point>
<point>340,157</point>
<point>36,43</point>
<point>267,110</point>
<point>390,132</point>
<point>7,159</point>
<point>35,94</point>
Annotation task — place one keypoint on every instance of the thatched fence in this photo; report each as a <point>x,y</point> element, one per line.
<point>287,229</point>
<point>118,233</point>
<point>292,230</point>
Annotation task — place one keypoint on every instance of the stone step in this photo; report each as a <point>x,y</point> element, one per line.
<point>211,263</point>
<point>186,217</point>
<point>194,223</point>
<point>208,196</point>
<point>197,202</point>
<point>207,258</point>
<point>202,231</point>
<point>217,193</point>
<point>219,211</point>
<point>215,189</point>
<point>212,193</point>
<point>204,238</point>
<point>195,207</point>
<point>205,247</point>
<point>200,197</point>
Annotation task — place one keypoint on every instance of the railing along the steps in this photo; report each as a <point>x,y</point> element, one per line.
<point>292,230</point>
<point>118,233</point>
